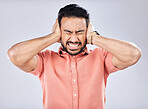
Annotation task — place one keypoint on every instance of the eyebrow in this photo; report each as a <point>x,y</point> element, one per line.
<point>68,31</point>
<point>76,31</point>
<point>79,31</point>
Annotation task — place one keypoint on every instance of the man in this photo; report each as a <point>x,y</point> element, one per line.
<point>73,77</point>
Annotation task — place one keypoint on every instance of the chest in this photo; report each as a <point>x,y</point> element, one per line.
<point>83,69</point>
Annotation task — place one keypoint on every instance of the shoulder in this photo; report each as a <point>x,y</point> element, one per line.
<point>99,51</point>
<point>44,53</point>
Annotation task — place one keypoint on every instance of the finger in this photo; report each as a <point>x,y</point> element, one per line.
<point>56,19</point>
<point>91,27</point>
<point>57,22</point>
<point>54,26</point>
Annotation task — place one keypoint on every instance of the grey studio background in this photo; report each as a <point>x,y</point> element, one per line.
<point>22,20</point>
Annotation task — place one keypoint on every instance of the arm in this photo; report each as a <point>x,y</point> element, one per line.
<point>124,53</point>
<point>23,54</point>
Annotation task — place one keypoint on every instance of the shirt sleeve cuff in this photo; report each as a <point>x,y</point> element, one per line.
<point>37,70</point>
<point>112,68</point>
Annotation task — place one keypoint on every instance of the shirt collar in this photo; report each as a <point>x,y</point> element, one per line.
<point>62,52</point>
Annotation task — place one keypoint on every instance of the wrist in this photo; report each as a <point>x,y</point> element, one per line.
<point>53,37</point>
<point>94,36</point>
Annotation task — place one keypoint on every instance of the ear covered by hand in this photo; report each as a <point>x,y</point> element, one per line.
<point>56,30</point>
<point>90,33</point>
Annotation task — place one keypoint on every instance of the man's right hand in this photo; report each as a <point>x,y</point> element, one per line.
<point>56,30</point>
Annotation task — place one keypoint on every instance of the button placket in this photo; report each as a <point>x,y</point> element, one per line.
<point>74,84</point>
<point>73,66</point>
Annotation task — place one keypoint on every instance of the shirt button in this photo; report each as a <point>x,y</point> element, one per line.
<point>74,80</point>
<point>73,66</point>
<point>75,94</point>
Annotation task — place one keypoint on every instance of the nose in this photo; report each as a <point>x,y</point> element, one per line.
<point>74,38</point>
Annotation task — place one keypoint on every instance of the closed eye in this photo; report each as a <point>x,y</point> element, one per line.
<point>67,31</point>
<point>80,31</point>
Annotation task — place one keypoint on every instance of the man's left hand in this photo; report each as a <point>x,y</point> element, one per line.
<point>89,33</point>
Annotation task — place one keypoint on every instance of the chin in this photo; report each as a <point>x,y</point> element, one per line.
<point>74,52</point>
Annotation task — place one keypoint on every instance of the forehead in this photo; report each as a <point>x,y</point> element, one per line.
<point>73,23</point>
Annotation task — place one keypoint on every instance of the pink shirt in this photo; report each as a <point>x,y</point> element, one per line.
<point>74,82</point>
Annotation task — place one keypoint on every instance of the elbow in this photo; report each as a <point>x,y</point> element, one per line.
<point>13,56</point>
<point>136,55</point>
<point>10,54</point>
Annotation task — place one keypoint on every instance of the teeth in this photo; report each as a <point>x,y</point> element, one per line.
<point>73,45</point>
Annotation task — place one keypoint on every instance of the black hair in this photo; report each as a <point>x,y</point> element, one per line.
<point>73,10</point>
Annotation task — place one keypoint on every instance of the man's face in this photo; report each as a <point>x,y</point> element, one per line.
<point>73,34</point>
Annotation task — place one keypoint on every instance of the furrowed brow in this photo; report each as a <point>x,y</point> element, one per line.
<point>79,31</point>
<point>68,31</point>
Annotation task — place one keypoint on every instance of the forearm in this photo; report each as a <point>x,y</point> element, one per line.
<point>24,51</point>
<point>123,51</point>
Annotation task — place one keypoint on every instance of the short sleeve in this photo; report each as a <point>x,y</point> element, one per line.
<point>41,57</point>
<point>110,68</point>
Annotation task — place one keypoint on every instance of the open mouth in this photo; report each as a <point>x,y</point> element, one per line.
<point>73,46</point>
